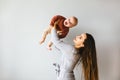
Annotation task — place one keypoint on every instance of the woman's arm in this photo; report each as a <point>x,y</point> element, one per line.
<point>59,43</point>
<point>54,36</point>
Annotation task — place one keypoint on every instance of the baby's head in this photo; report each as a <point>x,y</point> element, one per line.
<point>71,22</point>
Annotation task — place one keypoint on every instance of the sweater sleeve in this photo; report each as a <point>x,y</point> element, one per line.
<point>59,43</point>
<point>55,18</point>
<point>55,39</point>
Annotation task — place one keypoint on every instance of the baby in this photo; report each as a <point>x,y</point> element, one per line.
<point>62,25</point>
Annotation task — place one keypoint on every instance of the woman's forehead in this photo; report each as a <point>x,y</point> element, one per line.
<point>83,35</point>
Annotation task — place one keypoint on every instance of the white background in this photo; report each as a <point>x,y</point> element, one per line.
<point>23,21</point>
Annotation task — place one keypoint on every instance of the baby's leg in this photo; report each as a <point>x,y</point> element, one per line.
<point>49,45</point>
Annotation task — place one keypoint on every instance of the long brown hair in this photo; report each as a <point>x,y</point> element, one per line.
<point>88,59</point>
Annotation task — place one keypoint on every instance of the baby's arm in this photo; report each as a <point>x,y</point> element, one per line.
<point>45,33</point>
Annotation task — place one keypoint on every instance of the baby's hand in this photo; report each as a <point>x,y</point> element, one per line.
<point>49,48</point>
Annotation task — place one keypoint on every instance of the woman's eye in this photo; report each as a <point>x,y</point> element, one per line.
<point>80,37</point>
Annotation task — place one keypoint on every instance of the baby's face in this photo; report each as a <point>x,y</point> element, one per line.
<point>70,22</point>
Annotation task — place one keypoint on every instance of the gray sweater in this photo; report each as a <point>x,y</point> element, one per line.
<point>69,55</point>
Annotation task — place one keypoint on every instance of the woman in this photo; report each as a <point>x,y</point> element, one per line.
<point>83,50</point>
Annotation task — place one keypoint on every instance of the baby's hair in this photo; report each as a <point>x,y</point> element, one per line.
<point>75,19</point>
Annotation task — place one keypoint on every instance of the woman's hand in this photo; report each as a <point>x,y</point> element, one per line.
<point>56,23</point>
<point>59,32</point>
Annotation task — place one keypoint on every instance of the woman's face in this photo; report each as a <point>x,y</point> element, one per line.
<point>79,40</point>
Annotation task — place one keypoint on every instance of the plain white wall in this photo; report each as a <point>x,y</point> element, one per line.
<point>21,26</point>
